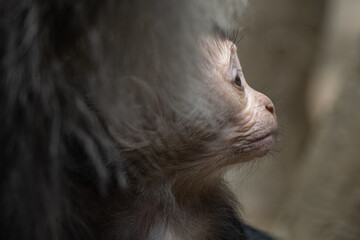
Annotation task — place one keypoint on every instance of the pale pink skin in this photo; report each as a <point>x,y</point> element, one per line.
<point>255,123</point>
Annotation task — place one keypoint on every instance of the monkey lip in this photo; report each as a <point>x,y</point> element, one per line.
<point>266,137</point>
<point>264,143</point>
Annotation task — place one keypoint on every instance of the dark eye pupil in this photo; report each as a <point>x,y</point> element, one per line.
<point>238,81</point>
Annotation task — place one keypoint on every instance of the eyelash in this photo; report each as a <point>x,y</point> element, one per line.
<point>238,82</point>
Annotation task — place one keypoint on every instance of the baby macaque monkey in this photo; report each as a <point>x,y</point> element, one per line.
<point>181,194</point>
<point>119,119</point>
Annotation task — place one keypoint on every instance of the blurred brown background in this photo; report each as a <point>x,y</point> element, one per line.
<point>305,55</point>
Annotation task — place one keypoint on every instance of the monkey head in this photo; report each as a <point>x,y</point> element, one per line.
<point>252,122</point>
<point>184,109</point>
<point>211,122</point>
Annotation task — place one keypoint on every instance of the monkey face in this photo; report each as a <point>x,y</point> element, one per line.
<point>252,127</point>
<point>193,124</point>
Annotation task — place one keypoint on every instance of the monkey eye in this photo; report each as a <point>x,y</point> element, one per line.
<point>238,82</point>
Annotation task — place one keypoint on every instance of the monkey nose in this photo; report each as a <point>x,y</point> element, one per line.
<point>270,107</point>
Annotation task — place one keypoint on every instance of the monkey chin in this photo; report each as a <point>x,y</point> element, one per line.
<point>262,145</point>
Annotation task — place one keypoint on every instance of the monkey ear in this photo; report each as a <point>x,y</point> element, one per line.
<point>138,115</point>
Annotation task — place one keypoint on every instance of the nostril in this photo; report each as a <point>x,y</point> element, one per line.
<point>270,108</point>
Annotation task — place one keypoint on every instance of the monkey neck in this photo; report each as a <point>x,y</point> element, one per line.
<point>169,209</point>
<point>188,180</point>
<point>182,189</point>
<point>186,198</point>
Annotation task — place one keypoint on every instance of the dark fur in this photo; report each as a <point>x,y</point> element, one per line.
<point>62,174</point>
<point>53,146</point>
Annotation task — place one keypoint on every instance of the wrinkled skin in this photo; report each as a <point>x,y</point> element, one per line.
<point>253,113</point>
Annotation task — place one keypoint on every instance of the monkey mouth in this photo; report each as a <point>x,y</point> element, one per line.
<point>264,143</point>
<point>267,137</point>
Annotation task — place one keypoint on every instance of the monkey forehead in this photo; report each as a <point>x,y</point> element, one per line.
<point>227,52</point>
<point>219,52</point>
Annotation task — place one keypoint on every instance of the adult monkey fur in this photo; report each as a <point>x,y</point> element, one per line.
<point>119,118</point>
